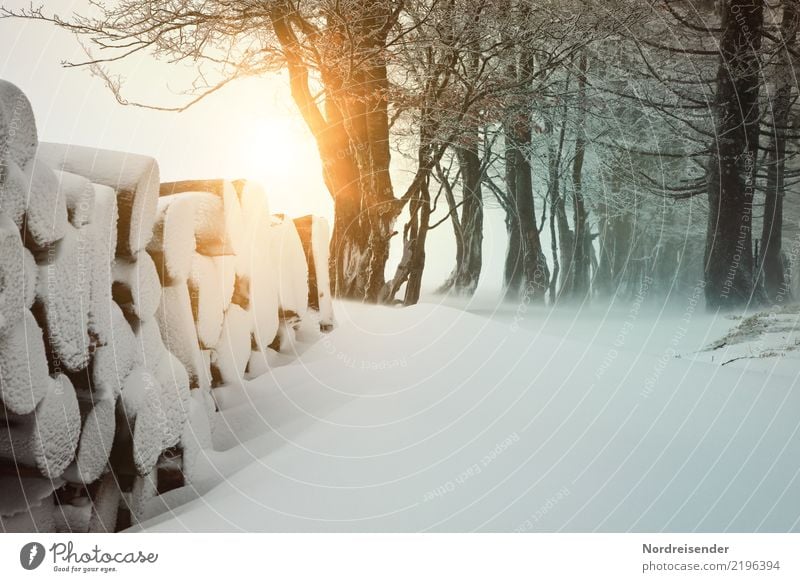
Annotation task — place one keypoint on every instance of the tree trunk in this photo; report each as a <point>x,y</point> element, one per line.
<point>512,271</point>
<point>558,215</point>
<point>526,267</point>
<point>771,264</point>
<point>469,238</point>
<point>581,258</point>
<point>530,276</point>
<point>616,234</point>
<point>353,141</point>
<point>729,259</point>
<point>560,232</point>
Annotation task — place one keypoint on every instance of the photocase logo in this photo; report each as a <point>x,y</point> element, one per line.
<point>31,555</point>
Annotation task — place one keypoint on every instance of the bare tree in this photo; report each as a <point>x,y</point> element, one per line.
<point>342,47</point>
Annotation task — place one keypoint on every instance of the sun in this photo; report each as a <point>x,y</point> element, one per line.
<point>275,146</point>
<point>280,153</point>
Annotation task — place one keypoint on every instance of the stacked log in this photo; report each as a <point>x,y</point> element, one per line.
<point>134,393</point>
<point>42,338</point>
<point>231,281</point>
<point>87,386</point>
<point>123,301</point>
<point>314,234</point>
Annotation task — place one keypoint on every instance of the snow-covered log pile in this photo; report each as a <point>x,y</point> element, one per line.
<point>123,301</point>
<point>239,279</point>
<point>42,333</point>
<point>314,234</point>
<point>87,386</point>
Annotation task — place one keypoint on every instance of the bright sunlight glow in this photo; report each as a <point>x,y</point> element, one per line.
<point>280,153</point>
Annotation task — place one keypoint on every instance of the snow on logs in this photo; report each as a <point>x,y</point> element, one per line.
<point>136,286</point>
<point>61,307</point>
<point>23,367</point>
<point>287,255</point>
<point>218,224</point>
<point>18,135</point>
<point>134,178</point>
<point>314,234</point>
<point>47,438</point>
<point>173,244</point>
<point>18,276</point>
<point>118,295</point>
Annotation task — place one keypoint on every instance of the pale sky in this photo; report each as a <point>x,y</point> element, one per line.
<point>249,129</point>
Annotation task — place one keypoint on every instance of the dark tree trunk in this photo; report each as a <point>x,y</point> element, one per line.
<point>412,264</point>
<point>771,264</point>
<point>530,276</point>
<point>581,258</point>
<point>415,232</point>
<point>616,235</point>
<point>561,235</point>
<point>526,267</point>
<point>469,228</point>
<point>731,173</point>
<point>512,271</point>
<point>353,140</point>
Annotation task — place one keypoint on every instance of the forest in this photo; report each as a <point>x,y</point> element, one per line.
<point>623,139</point>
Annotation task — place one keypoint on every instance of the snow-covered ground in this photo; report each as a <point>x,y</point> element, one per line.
<point>473,416</point>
